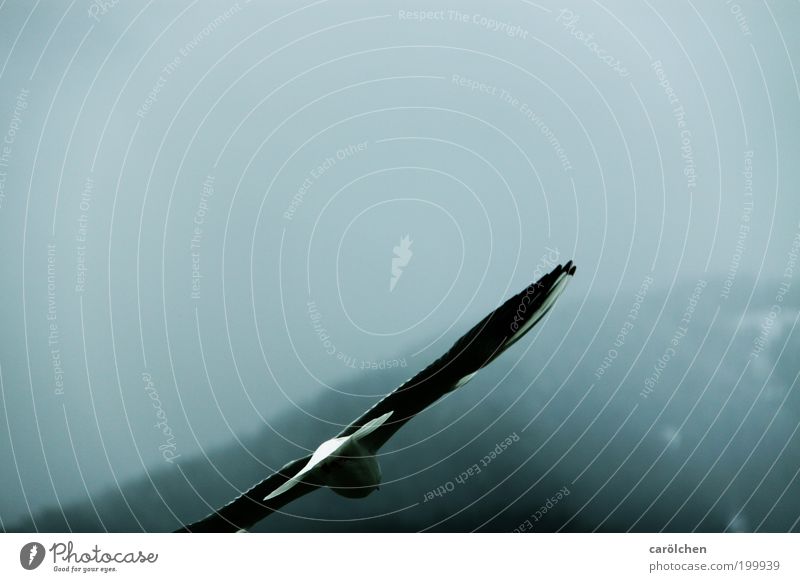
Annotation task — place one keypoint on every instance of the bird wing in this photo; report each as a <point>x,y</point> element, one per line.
<point>249,508</point>
<point>494,334</point>
<point>294,480</point>
<point>474,350</point>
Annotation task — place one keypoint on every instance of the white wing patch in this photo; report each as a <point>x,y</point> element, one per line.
<point>323,451</point>
<point>370,426</point>
<point>466,379</point>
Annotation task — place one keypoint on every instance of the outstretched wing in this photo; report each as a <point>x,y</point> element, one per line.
<point>249,508</point>
<point>494,334</point>
<point>476,349</point>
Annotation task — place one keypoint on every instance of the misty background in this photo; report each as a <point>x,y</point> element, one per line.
<point>199,209</point>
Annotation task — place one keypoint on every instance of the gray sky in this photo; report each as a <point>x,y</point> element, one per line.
<point>201,202</point>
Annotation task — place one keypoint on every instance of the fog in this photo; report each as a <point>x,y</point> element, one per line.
<point>202,209</point>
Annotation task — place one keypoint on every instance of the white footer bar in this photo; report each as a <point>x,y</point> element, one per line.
<point>353,557</point>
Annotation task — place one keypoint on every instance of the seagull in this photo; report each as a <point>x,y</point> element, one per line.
<point>347,464</point>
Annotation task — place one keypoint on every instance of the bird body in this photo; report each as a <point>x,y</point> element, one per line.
<point>357,474</point>
<point>344,464</point>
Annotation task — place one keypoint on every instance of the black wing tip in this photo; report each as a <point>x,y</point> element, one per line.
<point>569,268</point>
